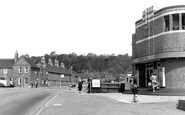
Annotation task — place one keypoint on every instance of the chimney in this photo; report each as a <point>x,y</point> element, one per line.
<point>16,56</point>
<point>56,63</point>
<point>43,60</point>
<point>50,62</point>
<point>27,56</point>
<point>62,65</point>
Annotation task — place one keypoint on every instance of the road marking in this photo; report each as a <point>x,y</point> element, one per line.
<point>39,111</point>
<point>57,104</point>
<point>124,101</point>
<point>51,100</point>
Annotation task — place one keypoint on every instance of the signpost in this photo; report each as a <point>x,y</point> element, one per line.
<point>96,83</point>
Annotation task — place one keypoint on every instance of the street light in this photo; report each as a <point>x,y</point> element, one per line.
<point>61,76</point>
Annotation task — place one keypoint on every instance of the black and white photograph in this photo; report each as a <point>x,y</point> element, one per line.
<point>92,57</point>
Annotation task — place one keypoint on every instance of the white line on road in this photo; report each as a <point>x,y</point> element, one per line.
<point>51,100</point>
<point>57,104</point>
<point>124,101</point>
<point>46,104</point>
<point>40,111</point>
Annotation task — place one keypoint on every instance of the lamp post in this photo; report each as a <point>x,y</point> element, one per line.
<point>61,76</point>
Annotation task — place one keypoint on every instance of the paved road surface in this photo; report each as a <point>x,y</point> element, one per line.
<point>51,101</point>
<point>23,101</point>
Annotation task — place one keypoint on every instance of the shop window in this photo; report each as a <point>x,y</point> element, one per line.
<point>175,21</point>
<point>183,21</point>
<point>2,78</point>
<point>167,23</point>
<point>20,70</point>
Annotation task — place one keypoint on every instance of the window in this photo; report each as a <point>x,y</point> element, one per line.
<point>146,31</point>
<point>26,80</point>
<point>167,23</point>
<point>26,69</point>
<point>20,69</point>
<point>19,81</point>
<point>5,71</point>
<point>175,21</point>
<point>41,72</point>
<point>2,78</point>
<point>183,21</point>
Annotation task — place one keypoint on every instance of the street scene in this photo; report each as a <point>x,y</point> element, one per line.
<point>92,57</point>
<point>56,101</point>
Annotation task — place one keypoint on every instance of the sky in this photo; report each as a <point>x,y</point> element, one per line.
<point>38,27</point>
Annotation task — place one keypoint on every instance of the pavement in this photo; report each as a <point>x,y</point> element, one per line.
<point>143,97</point>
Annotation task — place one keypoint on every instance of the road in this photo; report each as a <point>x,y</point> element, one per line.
<point>53,101</point>
<point>23,101</point>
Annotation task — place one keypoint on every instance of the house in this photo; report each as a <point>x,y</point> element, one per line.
<point>6,72</point>
<point>25,72</point>
<point>52,74</point>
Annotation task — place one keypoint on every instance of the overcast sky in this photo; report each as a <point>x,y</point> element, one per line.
<point>38,27</point>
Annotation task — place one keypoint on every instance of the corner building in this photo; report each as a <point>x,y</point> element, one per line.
<point>158,46</point>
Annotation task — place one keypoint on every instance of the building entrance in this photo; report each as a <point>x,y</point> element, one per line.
<point>149,70</point>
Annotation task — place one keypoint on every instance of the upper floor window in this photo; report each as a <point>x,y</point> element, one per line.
<point>5,71</point>
<point>175,21</point>
<point>183,21</point>
<point>26,69</point>
<point>146,31</point>
<point>167,23</point>
<point>20,69</point>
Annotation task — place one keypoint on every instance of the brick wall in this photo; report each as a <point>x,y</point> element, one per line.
<point>175,72</point>
<point>170,43</point>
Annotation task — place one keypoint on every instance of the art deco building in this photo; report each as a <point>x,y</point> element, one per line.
<point>158,46</point>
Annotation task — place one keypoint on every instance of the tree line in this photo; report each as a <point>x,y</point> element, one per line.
<point>113,64</point>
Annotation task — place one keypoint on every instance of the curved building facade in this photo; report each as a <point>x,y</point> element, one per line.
<point>158,46</point>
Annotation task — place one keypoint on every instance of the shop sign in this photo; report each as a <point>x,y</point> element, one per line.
<point>142,59</point>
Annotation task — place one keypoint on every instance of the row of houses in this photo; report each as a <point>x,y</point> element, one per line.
<point>23,72</point>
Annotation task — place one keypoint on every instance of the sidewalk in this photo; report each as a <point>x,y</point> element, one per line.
<point>128,98</point>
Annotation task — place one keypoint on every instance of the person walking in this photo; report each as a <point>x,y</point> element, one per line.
<point>80,86</point>
<point>154,80</point>
<point>135,91</point>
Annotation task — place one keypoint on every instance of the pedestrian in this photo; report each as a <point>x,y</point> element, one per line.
<point>154,80</point>
<point>80,87</point>
<point>135,91</point>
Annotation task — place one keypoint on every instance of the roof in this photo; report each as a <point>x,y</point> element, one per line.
<point>32,64</point>
<point>170,7</point>
<point>55,69</point>
<point>6,63</point>
<point>74,73</point>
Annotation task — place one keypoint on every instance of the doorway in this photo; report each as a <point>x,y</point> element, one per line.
<point>149,71</point>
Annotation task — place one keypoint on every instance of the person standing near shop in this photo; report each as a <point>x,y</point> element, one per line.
<point>154,80</point>
<point>135,91</point>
